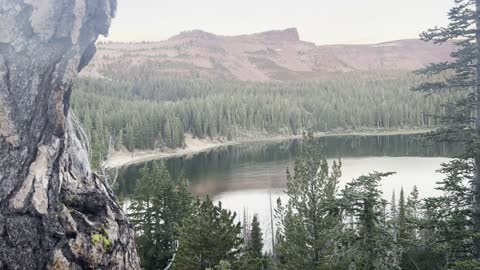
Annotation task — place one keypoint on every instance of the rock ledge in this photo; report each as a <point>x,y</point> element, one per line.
<point>53,209</point>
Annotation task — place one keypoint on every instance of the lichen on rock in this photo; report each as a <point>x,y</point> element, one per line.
<point>50,201</point>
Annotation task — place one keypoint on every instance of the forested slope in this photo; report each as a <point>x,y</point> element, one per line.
<point>140,111</point>
<point>149,95</point>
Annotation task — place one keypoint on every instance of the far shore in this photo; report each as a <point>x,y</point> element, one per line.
<point>194,146</point>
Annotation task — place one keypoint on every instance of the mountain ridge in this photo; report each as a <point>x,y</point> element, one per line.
<point>276,55</point>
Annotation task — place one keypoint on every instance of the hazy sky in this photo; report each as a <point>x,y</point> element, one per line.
<point>319,21</point>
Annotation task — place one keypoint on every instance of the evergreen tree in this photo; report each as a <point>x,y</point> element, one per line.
<point>394,217</point>
<point>413,246</point>
<point>413,207</point>
<point>291,250</point>
<point>97,152</point>
<point>207,237</point>
<point>393,207</point>
<point>449,217</point>
<point>253,258</point>
<point>157,207</point>
<point>256,234</point>
<point>462,121</point>
<point>402,219</point>
<point>131,140</point>
<point>369,244</point>
<point>406,233</point>
<point>184,199</point>
<point>312,214</point>
<point>141,216</point>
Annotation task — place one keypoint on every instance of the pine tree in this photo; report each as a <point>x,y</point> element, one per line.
<point>97,152</point>
<point>290,247</point>
<point>253,258</point>
<point>394,217</point>
<point>312,214</point>
<point>369,245</point>
<point>403,235</point>
<point>462,121</point>
<point>131,139</point>
<point>393,207</point>
<point>412,242</point>
<point>157,207</point>
<point>449,217</point>
<point>142,217</point>
<point>413,206</point>
<point>406,237</point>
<point>256,234</point>
<point>207,237</point>
<point>184,200</point>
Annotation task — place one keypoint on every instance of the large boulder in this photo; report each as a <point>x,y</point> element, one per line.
<point>54,212</point>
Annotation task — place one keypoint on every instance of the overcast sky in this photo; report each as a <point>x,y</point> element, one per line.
<point>319,21</point>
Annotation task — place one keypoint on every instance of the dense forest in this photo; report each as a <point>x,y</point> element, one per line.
<point>141,112</point>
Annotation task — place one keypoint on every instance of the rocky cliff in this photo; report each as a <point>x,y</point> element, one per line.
<point>270,56</point>
<point>54,212</point>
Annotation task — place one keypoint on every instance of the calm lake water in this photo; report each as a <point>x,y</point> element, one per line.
<point>243,176</point>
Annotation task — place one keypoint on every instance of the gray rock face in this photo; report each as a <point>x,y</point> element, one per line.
<point>54,212</point>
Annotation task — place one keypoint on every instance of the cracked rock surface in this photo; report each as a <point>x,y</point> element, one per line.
<point>54,212</point>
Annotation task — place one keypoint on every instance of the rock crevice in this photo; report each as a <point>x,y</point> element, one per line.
<point>52,207</point>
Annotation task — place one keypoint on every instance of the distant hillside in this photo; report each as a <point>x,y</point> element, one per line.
<point>268,56</point>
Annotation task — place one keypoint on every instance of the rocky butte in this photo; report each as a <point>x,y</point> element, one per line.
<point>272,56</point>
<point>55,213</point>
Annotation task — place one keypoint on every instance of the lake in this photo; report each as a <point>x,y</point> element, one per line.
<point>243,176</point>
<point>255,166</point>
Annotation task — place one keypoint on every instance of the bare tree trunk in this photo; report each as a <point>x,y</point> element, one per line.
<point>476,179</point>
<point>54,212</point>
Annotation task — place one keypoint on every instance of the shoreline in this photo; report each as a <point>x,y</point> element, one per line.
<point>120,159</point>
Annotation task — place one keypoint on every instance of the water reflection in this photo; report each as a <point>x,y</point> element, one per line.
<point>256,166</point>
<point>244,176</point>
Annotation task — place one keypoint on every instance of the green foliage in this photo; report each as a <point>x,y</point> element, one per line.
<point>157,207</point>
<point>448,218</point>
<point>144,112</point>
<point>256,241</point>
<point>312,214</point>
<point>465,265</point>
<point>207,237</point>
<point>223,265</point>
<point>371,246</point>
<point>455,217</point>
<point>253,258</point>
<point>103,239</point>
<point>402,219</point>
<point>319,227</point>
